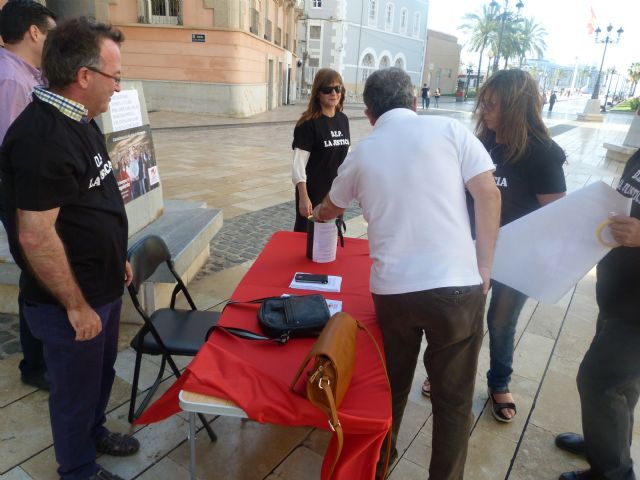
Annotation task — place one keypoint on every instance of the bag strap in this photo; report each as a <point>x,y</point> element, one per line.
<point>334,421</point>
<point>387,455</point>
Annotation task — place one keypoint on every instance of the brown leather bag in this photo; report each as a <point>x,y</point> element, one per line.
<point>334,353</point>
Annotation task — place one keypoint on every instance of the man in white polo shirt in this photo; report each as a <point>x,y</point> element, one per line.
<point>409,175</point>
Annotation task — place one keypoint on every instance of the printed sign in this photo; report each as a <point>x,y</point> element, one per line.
<point>197,37</point>
<point>134,161</point>
<point>125,110</point>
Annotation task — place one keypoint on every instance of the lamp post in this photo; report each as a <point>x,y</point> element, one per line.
<point>503,17</point>
<point>466,88</point>
<point>606,40</point>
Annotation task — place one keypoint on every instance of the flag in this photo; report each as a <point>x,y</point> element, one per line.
<point>592,22</point>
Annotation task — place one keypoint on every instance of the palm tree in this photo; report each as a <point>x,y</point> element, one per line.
<point>482,28</point>
<point>530,39</point>
<point>634,75</point>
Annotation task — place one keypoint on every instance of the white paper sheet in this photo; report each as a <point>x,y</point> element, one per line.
<point>547,252</point>
<point>333,285</point>
<point>325,241</point>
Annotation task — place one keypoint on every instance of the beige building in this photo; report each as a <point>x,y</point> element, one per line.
<point>228,57</point>
<point>442,61</point>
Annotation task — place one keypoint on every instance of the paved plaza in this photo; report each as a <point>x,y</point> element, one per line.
<point>243,167</point>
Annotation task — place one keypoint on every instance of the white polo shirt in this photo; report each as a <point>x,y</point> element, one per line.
<point>409,177</point>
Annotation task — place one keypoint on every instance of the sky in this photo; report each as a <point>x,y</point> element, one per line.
<point>566,24</point>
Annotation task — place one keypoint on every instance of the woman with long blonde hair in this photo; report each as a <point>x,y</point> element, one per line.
<point>321,141</point>
<point>529,175</point>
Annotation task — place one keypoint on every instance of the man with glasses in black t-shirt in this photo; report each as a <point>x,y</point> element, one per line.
<point>72,231</point>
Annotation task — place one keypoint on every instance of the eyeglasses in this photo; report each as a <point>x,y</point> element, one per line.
<point>115,78</point>
<point>329,90</point>
<point>488,106</point>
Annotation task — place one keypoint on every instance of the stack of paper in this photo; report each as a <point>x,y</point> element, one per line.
<point>333,285</point>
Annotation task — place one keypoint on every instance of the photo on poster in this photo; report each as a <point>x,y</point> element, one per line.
<point>134,161</point>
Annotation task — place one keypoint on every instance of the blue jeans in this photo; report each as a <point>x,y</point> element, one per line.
<point>504,309</point>
<point>81,376</point>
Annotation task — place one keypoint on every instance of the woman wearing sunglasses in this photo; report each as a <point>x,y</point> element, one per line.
<point>320,142</point>
<point>529,175</point>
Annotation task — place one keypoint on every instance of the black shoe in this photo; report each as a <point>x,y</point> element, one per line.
<point>103,474</point>
<point>118,445</point>
<point>571,442</point>
<point>36,379</point>
<point>583,475</point>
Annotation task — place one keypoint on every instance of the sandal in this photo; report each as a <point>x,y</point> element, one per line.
<point>426,388</point>
<point>117,444</point>
<point>498,407</point>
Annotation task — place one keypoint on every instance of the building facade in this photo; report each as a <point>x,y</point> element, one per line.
<point>442,62</point>
<point>227,57</point>
<point>356,37</point>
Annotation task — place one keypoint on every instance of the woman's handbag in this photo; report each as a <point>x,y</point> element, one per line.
<point>334,354</point>
<point>282,318</point>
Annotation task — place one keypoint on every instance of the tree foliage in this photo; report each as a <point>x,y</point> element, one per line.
<point>512,37</point>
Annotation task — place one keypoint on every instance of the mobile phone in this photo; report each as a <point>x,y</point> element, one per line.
<point>311,278</point>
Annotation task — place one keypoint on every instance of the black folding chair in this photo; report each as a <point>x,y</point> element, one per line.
<point>167,331</point>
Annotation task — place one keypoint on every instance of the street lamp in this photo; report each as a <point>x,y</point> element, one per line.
<point>606,40</point>
<point>469,73</point>
<point>494,6</point>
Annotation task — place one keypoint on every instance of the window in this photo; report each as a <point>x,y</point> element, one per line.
<point>267,30</point>
<point>315,31</point>
<point>164,12</point>
<point>403,20</point>
<point>385,62</point>
<point>399,63</point>
<point>317,3</point>
<point>388,17</point>
<point>255,20</point>
<point>372,11</point>
<point>416,24</point>
<point>314,62</point>
<point>368,64</point>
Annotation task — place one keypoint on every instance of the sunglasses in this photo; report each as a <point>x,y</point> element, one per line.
<point>329,90</point>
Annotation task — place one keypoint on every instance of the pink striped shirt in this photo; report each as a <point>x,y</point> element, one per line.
<point>17,79</point>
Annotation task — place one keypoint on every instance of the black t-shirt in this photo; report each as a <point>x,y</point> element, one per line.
<point>618,284</point>
<point>537,172</point>
<point>48,161</point>
<point>328,140</point>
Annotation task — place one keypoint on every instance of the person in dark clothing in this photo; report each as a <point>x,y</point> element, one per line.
<point>552,101</point>
<point>529,175</point>
<point>425,96</point>
<point>24,27</point>
<point>71,239</point>
<point>609,375</point>
<point>321,141</point>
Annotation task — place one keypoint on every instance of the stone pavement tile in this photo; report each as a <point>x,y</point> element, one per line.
<point>16,474</point>
<point>301,463</point>
<point>531,356</point>
<point>538,458</point>
<point>255,449</point>
<point>166,469</point>
<point>125,364</point>
<point>407,470</point>
<point>488,456</point>
<point>156,441</point>
<point>419,452</point>
<point>11,387</point>
<point>24,429</point>
<point>42,466</point>
<point>318,441</point>
<point>356,227</point>
<point>414,419</point>
<point>557,406</point>
<point>128,330</point>
<point>546,320</point>
<point>120,393</point>
<point>260,203</point>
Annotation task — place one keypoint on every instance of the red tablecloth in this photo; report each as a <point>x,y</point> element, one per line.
<point>256,375</point>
